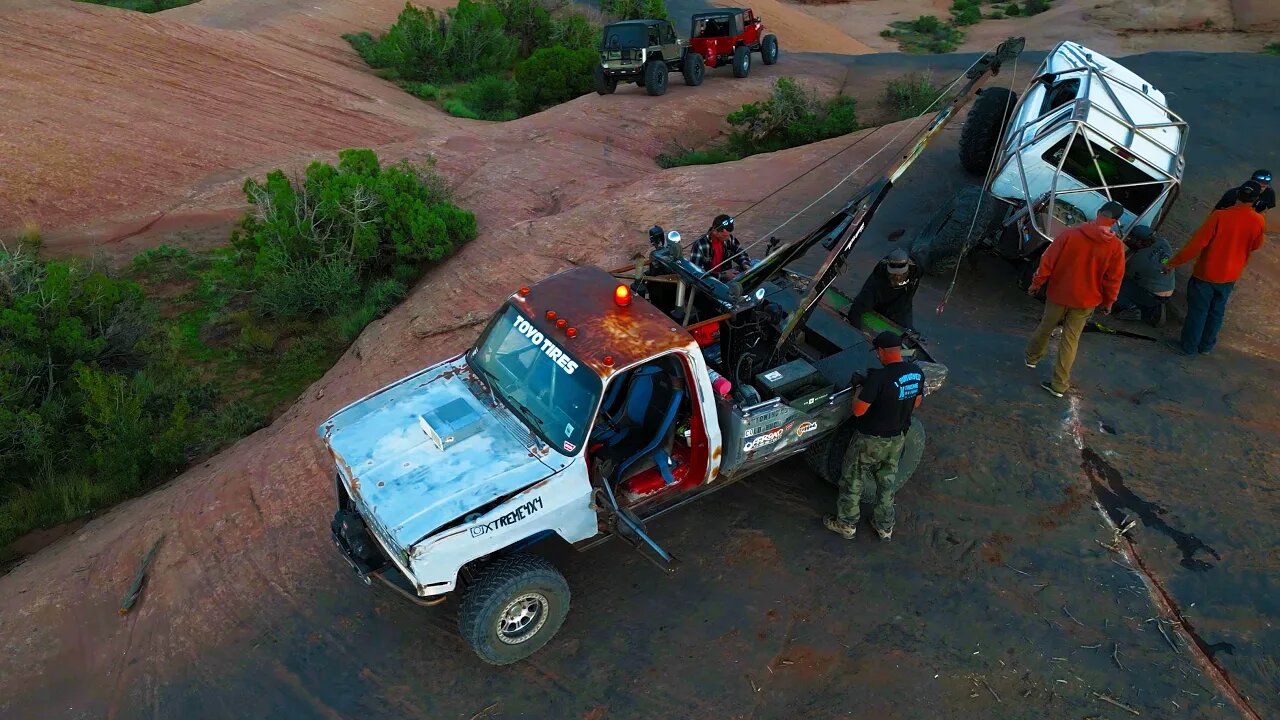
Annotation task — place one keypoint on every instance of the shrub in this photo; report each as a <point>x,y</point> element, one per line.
<point>965,12</point>
<point>553,75</point>
<point>636,9</point>
<point>911,94</point>
<point>529,23</point>
<point>925,34</point>
<point>793,115</point>
<point>489,98</point>
<point>1035,7</point>
<point>471,40</point>
<point>315,242</point>
<point>575,32</point>
<point>1012,10</point>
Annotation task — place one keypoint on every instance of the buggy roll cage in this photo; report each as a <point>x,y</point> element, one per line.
<point>1077,114</point>
<point>839,234</point>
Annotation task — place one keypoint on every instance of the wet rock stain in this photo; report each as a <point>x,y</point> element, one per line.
<point>1115,498</point>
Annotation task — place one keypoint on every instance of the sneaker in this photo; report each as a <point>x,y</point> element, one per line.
<point>885,535</point>
<point>843,529</point>
<point>1048,386</point>
<point>1029,364</point>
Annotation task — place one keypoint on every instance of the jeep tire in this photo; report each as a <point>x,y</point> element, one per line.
<point>741,61</point>
<point>604,85</point>
<point>515,606</point>
<point>655,77</point>
<point>827,457</point>
<point>693,68</point>
<point>769,49</point>
<point>984,128</point>
<point>938,246</point>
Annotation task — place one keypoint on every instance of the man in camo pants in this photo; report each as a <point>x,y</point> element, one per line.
<point>882,407</point>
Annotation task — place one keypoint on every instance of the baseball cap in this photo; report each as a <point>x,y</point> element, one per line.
<point>1262,176</point>
<point>1141,232</point>
<point>1111,209</point>
<point>897,261</point>
<point>1248,192</point>
<point>887,339</point>
<point>723,221</point>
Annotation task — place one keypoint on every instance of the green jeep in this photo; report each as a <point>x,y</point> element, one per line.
<point>643,52</point>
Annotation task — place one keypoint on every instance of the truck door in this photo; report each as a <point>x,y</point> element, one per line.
<point>651,443</point>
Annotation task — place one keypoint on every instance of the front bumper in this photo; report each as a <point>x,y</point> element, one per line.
<point>366,557</point>
<point>624,73</point>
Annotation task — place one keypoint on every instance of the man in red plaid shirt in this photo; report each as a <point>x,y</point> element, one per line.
<point>718,252</point>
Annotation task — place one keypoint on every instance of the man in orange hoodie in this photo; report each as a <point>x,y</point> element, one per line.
<point>1221,247</point>
<point>1083,268</point>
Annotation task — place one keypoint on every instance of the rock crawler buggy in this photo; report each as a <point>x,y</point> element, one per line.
<point>644,52</point>
<point>592,403</point>
<point>728,36</point>
<point>1087,130</point>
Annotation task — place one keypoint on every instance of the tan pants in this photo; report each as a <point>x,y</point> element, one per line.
<point>1073,320</point>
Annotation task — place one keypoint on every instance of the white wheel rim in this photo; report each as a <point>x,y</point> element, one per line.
<point>522,618</point>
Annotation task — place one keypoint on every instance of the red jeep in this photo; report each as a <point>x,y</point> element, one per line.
<point>729,36</point>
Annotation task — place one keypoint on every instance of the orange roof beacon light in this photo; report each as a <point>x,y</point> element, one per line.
<point>571,332</point>
<point>551,314</point>
<point>524,292</point>
<point>561,323</point>
<point>622,296</point>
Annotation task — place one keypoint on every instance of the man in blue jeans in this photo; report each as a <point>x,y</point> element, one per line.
<point>1221,248</point>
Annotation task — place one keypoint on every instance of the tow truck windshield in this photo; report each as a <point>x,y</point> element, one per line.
<point>538,379</point>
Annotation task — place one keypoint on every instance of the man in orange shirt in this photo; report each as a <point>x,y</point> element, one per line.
<point>1083,268</point>
<point>1221,248</point>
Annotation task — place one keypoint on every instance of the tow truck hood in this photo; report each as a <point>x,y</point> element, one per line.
<point>431,448</point>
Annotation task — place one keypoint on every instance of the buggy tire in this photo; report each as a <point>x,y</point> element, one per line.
<point>826,457</point>
<point>694,68</point>
<point>516,605</point>
<point>938,246</point>
<point>604,85</point>
<point>769,50</point>
<point>655,77</point>
<point>984,128</point>
<point>741,61</point>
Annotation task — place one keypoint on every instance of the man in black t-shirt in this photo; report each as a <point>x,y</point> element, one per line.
<point>1266,194</point>
<point>882,407</point>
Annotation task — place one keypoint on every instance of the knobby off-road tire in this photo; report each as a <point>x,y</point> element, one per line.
<point>604,85</point>
<point>984,128</point>
<point>695,68</point>
<point>826,458</point>
<point>769,49</point>
<point>940,243</point>
<point>655,77</point>
<point>741,61</point>
<point>516,606</point>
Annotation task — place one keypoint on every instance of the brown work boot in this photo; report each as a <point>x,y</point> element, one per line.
<point>841,528</point>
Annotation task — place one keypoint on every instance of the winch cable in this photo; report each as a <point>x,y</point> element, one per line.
<point>986,183</point>
<point>945,92</point>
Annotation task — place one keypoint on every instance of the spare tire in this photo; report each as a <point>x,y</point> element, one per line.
<point>984,128</point>
<point>938,246</point>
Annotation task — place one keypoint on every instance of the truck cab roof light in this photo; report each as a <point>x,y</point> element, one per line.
<point>622,296</point>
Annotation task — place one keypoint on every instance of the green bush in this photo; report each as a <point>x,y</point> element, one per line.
<point>1272,48</point>
<point>793,115</point>
<point>316,242</point>
<point>965,12</point>
<point>925,34</point>
<point>470,41</point>
<point>553,75</point>
<point>1035,7</point>
<point>911,94</point>
<point>1012,10</point>
<point>575,32</point>
<point>528,22</point>
<point>488,98</point>
<point>636,9</point>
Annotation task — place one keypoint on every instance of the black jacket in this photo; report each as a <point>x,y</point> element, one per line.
<point>1265,201</point>
<point>879,295</point>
